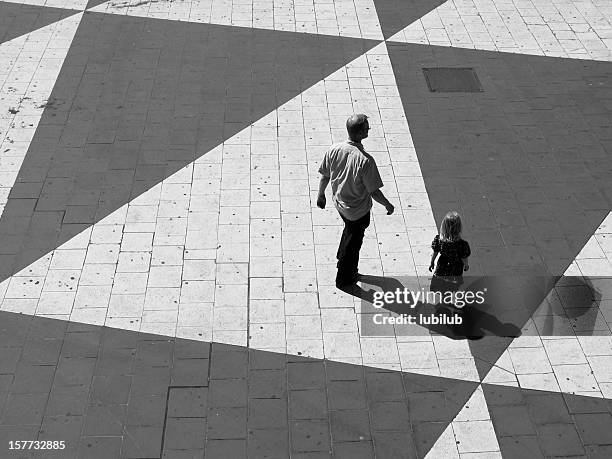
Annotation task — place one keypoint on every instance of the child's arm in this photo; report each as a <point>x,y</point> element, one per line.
<point>467,252</point>
<point>433,260</point>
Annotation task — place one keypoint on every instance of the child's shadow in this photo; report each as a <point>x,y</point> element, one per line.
<point>476,321</point>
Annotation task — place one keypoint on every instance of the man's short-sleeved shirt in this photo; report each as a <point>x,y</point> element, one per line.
<point>353,176</point>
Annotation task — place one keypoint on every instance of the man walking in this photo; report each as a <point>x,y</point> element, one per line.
<point>355,181</point>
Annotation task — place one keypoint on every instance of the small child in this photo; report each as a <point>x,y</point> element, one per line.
<point>453,251</point>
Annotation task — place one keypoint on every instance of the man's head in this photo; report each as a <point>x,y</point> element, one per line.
<point>357,127</point>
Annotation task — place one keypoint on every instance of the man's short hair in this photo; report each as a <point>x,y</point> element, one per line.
<point>355,124</point>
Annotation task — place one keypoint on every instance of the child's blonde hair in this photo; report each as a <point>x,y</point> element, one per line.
<point>450,228</point>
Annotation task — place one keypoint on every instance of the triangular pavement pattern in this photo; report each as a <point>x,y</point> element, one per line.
<point>586,281</point>
<point>433,402</point>
<point>403,413</point>
<point>138,99</point>
<point>451,24</point>
<point>395,15</point>
<point>533,423</point>
<point>20,19</point>
<point>94,3</point>
<point>526,162</point>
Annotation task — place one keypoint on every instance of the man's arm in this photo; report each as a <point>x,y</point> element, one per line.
<point>321,201</point>
<point>379,197</point>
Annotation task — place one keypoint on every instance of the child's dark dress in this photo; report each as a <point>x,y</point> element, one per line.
<point>448,276</point>
<point>451,253</point>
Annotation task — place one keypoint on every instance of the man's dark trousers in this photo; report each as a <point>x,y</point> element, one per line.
<point>348,250</point>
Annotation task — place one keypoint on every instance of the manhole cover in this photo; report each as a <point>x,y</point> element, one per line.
<point>450,79</point>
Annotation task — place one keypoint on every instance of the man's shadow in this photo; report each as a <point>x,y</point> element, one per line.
<point>476,320</point>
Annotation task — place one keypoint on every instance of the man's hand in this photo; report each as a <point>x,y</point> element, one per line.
<point>321,201</point>
<point>380,199</point>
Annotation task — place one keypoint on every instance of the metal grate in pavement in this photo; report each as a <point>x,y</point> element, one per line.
<point>450,79</point>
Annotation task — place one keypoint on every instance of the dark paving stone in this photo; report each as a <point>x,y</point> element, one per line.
<point>30,379</point>
<point>385,386</point>
<point>220,449</point>
<point>547,408</point>
<point>594,429</point>
<point>512,420</point>
<point>185,349</point>
<point>267,413</point>
<point>154,353</point>
<point>68,401</point>
<point>115,362</point>
<point>396,445</point>
<point>267,384</point>
<point>228,365</point>
<point>346,395</point>
<point>227,423</point>
<point>191,402</point>
<point>335,371</point>
<point>81,344</point>
<point>306,375</point>
<point>183,454</point>
<point>24,409</point>
<point>151,381</point>
<point>599,452</point>
<point>190,372</point>
<point>267,360</point>
<point>313,455</point>
<point>42,351</point>
<point>586,405</point>
<point>147,410</point>
<point>136,125</point>
<point>141,442</point>
<point>9,357</point>
<point>99,447</point>
<point>350,425</point>
<point>74,371</point>
<point>228,392</point>
<point>105,420</point>
<point>66,428</point>
<point>17,20</point>
<point>185,433</point>
<point>430,406</point>
<point>307,404</point>
<point>110,389</point>
<point>504,395</point>
<point>309,436</point>
<point>268,443</point>
<point>353,450</point>
<point>520,446</point>
<point>395,15</point>
<point>560,440</point>
<point>390,416</point>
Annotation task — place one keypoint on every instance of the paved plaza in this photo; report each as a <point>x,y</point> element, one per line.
<point>167,282</point>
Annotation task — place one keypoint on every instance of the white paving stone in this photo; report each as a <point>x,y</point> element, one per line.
<point>580,30</point>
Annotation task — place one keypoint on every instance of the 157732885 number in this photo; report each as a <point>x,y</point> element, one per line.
<point>36,444</point>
